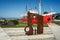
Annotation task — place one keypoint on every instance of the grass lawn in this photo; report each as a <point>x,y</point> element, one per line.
<point>21,26</point>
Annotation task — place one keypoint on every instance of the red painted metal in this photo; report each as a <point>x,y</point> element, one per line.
<point>46,19</point>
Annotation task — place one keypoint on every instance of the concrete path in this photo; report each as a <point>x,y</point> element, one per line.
<point>55,30</point>
<point>19,34</point>
<point>35,37</point>
<point>3,35</point>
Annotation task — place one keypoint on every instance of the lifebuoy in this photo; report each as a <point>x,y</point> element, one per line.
<point>26,30</point>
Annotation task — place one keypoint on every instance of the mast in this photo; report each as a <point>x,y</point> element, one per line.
<point>51,9</point>
<point>40,7</point>
<point>26,9</point>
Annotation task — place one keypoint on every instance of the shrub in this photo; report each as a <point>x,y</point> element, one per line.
<point>15,21</point>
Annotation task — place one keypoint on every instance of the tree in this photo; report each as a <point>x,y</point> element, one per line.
<point>15,21</point>
<point>45,13</point>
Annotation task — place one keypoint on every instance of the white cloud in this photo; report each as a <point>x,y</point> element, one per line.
<point>21,14</point>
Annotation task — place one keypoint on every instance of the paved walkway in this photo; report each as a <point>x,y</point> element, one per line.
<point>55,30</point>
<point>19,34</point>
<point>3,35</point>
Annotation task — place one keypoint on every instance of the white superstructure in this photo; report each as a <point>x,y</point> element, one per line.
<point>33,11</point>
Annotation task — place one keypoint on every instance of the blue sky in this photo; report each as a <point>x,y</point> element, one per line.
<point>47,5</point>
<point>17,8</point>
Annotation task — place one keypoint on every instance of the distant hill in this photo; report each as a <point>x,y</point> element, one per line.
<point>9,18</point>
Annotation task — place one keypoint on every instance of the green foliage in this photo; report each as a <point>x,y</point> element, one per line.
<point>1,22</point>
<point>15,21</point>
<point>45,13</point>
<point>20,25</point>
